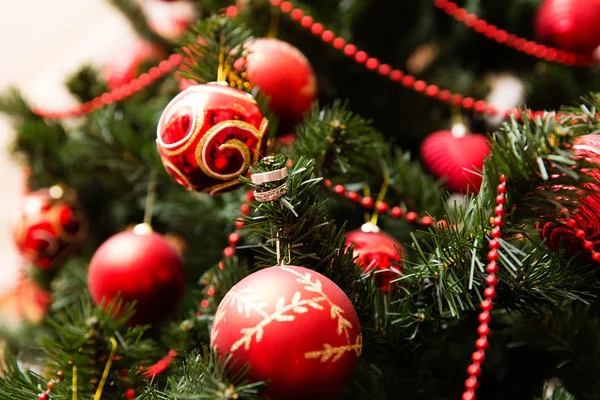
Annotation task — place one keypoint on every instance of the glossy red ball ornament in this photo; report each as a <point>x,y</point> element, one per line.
<point>209,135</point>
<point>377,251</point>
<point>129,65</point>
<point>284,74</point>
<point>142,266</point>
<point>570,25</point>
<point>50,225</point>
<point>455,158</point>
<point>587,215</point>
<point>295,328</point>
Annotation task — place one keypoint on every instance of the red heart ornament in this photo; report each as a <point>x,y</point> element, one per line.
<point>456,158</point>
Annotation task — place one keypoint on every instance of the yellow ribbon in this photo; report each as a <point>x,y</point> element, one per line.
<point>113,351</point>
<point>273,23</point>
<point>381,197</point>
<point>74,382</point>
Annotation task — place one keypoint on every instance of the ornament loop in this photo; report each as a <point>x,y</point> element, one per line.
<point>270,176</point>
<point>271,195</point>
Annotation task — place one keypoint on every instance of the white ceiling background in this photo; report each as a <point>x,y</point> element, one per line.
<point>41,42</point>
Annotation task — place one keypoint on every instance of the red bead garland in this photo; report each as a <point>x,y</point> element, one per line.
<point>382,207</point>
<point>511,40</point>
<point>491,280</point>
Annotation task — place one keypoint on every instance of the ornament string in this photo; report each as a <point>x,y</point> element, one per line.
<point>113,351</point>
<point>74,383</point>
<point>150,197</point>
<point>273,23</point>
<point>520,44</point>
<point>221,74</point>
<point>381,196</point>
<point>489,294</point>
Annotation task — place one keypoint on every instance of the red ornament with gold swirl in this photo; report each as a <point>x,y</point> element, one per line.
<point>209,135</point>
<point>49,226</point>
<point>294,328</point>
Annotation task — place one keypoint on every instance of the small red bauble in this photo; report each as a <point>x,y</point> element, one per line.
<point>130,64</point>
<point>209,135</point>
<point>295,328</point>
<point>49,226</point>
<point>587,215</point>
<point>377,251</point>
<point>284,74</point>
<point>138,265</point>
<point>456,159</point>
<point>570,25</point>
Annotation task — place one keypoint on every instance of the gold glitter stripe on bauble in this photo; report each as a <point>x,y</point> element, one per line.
<point>198,122</point>
<point>168,164</point>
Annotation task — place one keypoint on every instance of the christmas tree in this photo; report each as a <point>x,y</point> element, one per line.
<point>234,212</point>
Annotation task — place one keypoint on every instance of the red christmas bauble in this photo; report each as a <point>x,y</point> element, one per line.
<point>129,64</point>
<point>456,159</point>
<point>587,215</point>
<point>49,226</point>
<point>377,251</point>
<point>209,135</point>
<point>138,266</point>
<point>570,25</point>
<point>295,328</point>
<point>284,74</point>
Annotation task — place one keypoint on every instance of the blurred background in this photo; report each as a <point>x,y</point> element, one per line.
<point>42,43</point>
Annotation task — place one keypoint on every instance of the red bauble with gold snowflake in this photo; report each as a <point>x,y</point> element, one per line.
<point>50,225</point>
<point>377,251</point>
<point>209,135</point>
<point>570,25</point>
<point>587,215</point>
<point>295,328</point>
<point>284,74</point>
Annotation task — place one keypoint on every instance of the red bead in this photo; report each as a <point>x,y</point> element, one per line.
<point>385,69</point>
<point>483,330</point>
<point>412,217</point>
<point>130,394</point>
<point>228,252</point>
<point>286,6</point>
<point>306,21</point>
<point>339,43</point>
<point>276,3</point>
<point>580,234</point>
<point>471,383</point>
<point>474,370</point>
<point>239,224</point>
<point>595,256</point>
<point>234,238</point>
<point>419,86</point>
<point>468,395</point>
<point>408,80</point>
<point>498,221</point>
<point>367,202</point>
<point>245,209</point>
<point>372,63</point>
<point>43,396</point>
<point>354,197</point>
<point>500,199</point>
<point>496,232</point>
<point>494,244</point>
<point>296,14</point>
<point>382,207</point>
<point>487,305</point>
<point>50,385</point>
<point>571,223</point>
<point>432,90</point>
<point>360,56</point>
<point>492,255</point>
<point>339,189</point>
<point>492,268</point>
<point>502,178</point>
<point>478,356</point>
<point>456,99</point>
<point>499,210</point>
<point>250,195</point>
<point>468,103</point>
<point>489,293</point>
<point>442,223</point>
<point>396,75</point>
<point>482,343</point>
<point>123,373</point>
<point>397,212</point>
<point>350,50</point>
<point>588,245</point>
<point>106,98</point>
<point>317,29</point>
<point>491,280</point>
<point>211,291</point>
<point>327,183</point>
<point>444,95</point>
<point>327,36</point>
<point>427,221</point>
<point>484,317</point>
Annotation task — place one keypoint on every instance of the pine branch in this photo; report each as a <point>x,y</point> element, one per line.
<point>134,13</point>
<point>14,105</point>
<point>202,376</point>
<point>17,383</point>
<point>85,84</point>
<point>555,391</point>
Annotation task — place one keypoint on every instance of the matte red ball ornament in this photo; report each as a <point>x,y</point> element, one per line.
<point>284,74</point>
<point>456,159</point>
<point>295,328</point>
<point>131,64</point>
<point>570,25</point>
<point>138,265</point>
<point>209,135</point>
<point>377,251</point>
<point>587,215</point>
<point>49,226</point>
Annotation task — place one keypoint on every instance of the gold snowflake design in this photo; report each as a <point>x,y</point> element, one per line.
<point>247,303</point>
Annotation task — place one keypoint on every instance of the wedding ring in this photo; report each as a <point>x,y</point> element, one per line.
<point>271,195</point>
<point>271,176</point>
